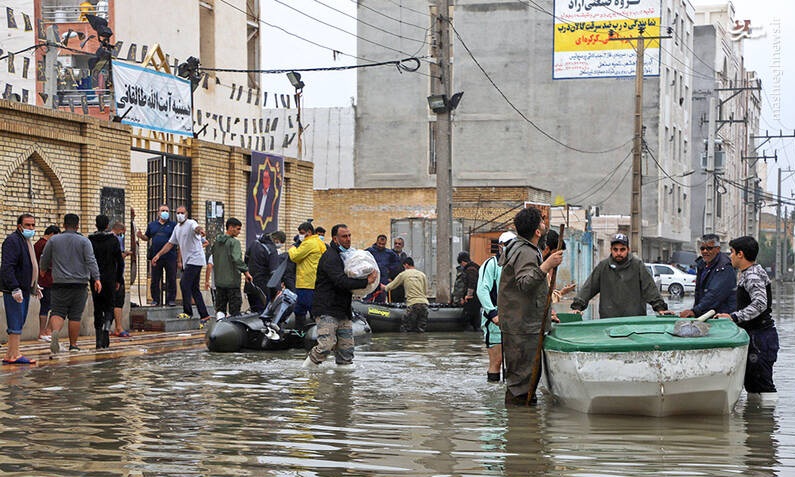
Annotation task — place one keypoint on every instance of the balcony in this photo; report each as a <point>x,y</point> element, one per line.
<point>72,11</point>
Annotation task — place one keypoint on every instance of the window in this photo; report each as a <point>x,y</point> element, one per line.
<point>663,270</point>
<point>168,182</point>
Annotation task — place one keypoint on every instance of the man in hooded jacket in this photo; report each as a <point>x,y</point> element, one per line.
<point>521,301</point>
<point>262,258</point>
<point>111,273</point>
<point>623,284</point>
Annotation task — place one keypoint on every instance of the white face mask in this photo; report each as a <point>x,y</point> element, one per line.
<point>181,217</point>
<point>279,246</point>
<point>301,237</point>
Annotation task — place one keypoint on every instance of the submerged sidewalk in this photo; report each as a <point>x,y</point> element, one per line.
<point>139,343</point>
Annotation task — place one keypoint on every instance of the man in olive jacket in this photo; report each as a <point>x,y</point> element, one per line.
<point>623,284</point>
<point>228,264</point>
<point>521,301</point>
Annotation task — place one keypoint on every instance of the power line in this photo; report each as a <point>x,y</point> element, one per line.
<point>282,29</point>
<point>629,169</point>
<point>408,8</point>
<point>389,17</point>
<point>368,24</point>
<point>339,28</point>
<point>599,184</point>
<point>518,111</point>
<point>659,166</point>
<point>398,63</point>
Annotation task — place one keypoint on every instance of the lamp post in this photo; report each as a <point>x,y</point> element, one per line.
<point>295,80</point>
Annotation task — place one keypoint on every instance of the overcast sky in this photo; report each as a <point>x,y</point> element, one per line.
<point>338,88</point>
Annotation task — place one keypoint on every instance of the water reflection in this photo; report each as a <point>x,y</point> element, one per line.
<point>412,405</point>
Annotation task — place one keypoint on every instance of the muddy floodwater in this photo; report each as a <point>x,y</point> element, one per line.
<point>411,405</point>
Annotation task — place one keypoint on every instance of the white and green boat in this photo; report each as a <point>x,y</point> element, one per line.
<point>637,365</point>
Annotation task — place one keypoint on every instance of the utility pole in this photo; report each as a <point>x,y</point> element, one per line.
<point>441,84</point>
<point>709,209</point>
<point>51,68</point>
<point>636,206</point>
<point>636,220</point>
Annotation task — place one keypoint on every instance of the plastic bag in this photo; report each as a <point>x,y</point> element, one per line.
<point>360,264</point>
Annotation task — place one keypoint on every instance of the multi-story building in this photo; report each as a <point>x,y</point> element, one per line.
<point>732,178</point>
<point>225,35</point>
<point>576,136</point>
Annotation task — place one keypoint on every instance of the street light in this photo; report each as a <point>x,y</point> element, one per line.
<point>295,80</point>
<point>440,104</point>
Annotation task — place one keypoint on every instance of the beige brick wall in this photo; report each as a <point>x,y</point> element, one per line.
<point>54,162</point>
<point>369,212</point>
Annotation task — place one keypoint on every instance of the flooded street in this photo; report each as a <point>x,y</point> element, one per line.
<point>412,405</point>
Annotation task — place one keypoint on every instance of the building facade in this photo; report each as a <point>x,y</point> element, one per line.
<point>577,139</point>
<point>732,179</point>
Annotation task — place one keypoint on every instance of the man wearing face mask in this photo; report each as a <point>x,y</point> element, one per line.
<point>159,231</point>
<point>306,257</point>
<point>188,235</point>
<point>19,272</point>
<point>262,259</point>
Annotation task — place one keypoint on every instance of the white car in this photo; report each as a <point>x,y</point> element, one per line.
<point>670,278</point>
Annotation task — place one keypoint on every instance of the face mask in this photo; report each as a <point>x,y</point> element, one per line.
<point>344,249</point>
<point>181,218</point>
<point>279,246</point>
<point>301,237</point>
<point>164,215</point>
<point>28,234</point>
<point>322,237</point>
<point>121,236</point>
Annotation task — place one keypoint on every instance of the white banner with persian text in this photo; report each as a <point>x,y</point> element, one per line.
<point>152,99</point>
<point>584,48</point>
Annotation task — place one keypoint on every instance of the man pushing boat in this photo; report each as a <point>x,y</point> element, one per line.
<point>623,284</point>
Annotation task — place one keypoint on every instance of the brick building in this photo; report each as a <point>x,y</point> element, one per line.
<point>55,162</point>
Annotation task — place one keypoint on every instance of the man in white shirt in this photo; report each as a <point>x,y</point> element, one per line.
<point>188,236</point>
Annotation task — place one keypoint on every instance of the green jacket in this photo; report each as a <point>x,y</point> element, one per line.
<point>228,262</point>
<point>624,289</point>
<point>523,288</point>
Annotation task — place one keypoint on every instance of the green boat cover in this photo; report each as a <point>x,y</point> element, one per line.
<point>639,333</point>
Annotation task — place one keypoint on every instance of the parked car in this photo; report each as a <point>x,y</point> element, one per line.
<point>670,278</point>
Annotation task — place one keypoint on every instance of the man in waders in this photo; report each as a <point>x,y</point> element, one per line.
<point>521,301</point>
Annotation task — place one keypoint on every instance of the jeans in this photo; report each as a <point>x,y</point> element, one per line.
<point>191,275</point>
<point>170,267</point>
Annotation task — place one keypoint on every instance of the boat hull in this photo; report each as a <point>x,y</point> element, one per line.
<point>640,365</point>
<point>248,332</point>
<point>648,383</point>
<point>386,317</point>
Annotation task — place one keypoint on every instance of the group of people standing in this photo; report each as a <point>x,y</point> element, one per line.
<point>513,287</point>
<point>56,270</point>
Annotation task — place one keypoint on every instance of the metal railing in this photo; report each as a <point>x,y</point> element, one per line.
<point>69,13</point>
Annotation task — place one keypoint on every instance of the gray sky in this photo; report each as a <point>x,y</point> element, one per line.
<point>339,87</point>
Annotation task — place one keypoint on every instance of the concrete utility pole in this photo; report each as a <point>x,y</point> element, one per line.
<point>636,220</point>
<point>51,68</point>
<point>709,209</point>
<point>440,12</point>
<point>636,206</point>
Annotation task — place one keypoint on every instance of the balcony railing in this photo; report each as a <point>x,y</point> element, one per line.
<point>72,12</point>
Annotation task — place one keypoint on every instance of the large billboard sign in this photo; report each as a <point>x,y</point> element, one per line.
<point>152,99</point>
<point>583,47</point>
<point>263,195</point>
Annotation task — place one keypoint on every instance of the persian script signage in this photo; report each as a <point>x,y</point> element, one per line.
<point>582,43</point>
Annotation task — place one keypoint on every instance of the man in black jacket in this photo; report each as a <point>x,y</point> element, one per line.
<point>111,274</point>
<point>262,259</point>
<point>331,302</point>
<point>716,280</point>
